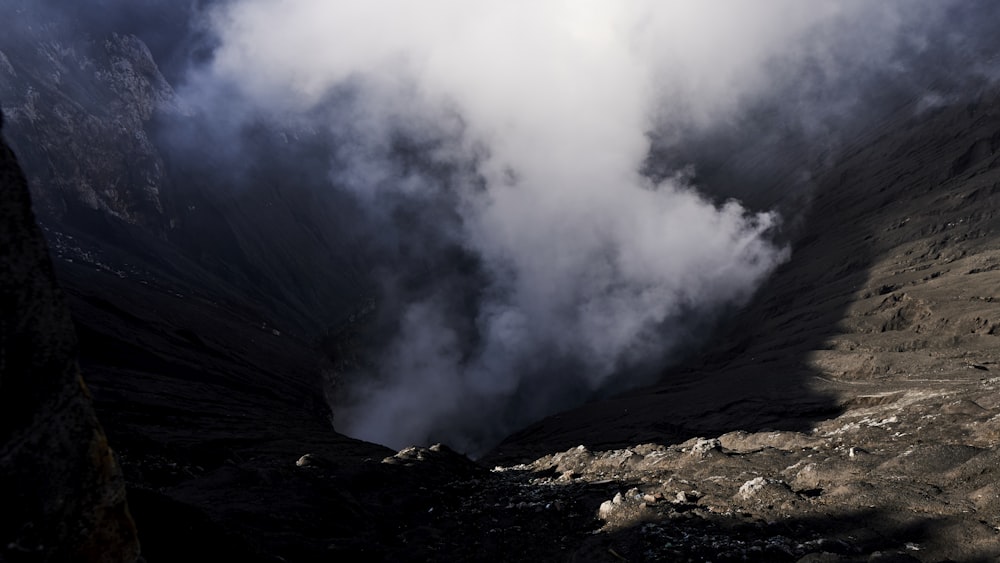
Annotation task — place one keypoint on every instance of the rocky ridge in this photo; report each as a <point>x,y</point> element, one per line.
<point>86,110</point>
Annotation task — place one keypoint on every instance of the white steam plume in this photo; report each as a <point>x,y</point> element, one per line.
<point>590,271</point>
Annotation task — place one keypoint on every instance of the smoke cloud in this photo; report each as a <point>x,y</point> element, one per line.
<point>525,257</point>
<point>544,201</point>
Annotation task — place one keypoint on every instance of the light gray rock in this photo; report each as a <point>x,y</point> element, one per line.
<point>703,446</point>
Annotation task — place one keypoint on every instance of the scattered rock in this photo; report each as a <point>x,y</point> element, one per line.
<point>824,557</point>
<point>892,557</point>
<point>761,488</point>
<point>702,447</point>
<point>605,510</point>
<point>856,452</point>
<point>439,455</point>
<point>746,442</point>
<point>964,407</point>
<point>312,460</point>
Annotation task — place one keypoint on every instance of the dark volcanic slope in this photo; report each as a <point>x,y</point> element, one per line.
<point>209,409</point>
<point>62,491</point>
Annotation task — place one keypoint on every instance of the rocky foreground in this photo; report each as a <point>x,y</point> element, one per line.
<point>907,476</point>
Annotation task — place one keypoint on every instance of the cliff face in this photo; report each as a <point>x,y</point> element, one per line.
<point>86,108</point>
<point>128,182</point>
<point>62,488</point>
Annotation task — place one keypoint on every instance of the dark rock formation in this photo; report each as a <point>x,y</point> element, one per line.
<point>62,490</point>
<point>85,108</point>
<point>127,181</point>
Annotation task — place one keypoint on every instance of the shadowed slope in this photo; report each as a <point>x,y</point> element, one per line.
<point>63,493</point>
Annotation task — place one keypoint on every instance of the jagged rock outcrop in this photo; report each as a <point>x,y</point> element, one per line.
<point>86,108</point>
<point>129,180</point>
<point>62,490</point>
